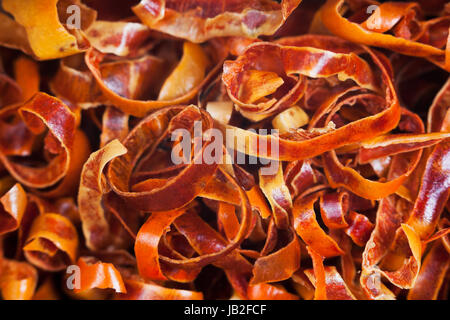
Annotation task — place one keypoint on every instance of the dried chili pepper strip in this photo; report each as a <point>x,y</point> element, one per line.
<point>339,175</point>
<point>355,131</point>
<point>309,230</point>
<point>279,265</point>
<point>439,109</point>
<point>46,291</point>
<point>319,275</point>
<point>290,60</point>
<point>57,42</point>
<point>18,280</point>
<point>169,194</point>
<point>256,198</point>
<point>97,274</point>
<point>38,113</point>
<point>147,240</point>
<point>210,244</point>
<point>445,223</point>
<point>432,274</point>
<point>206,21</point>
<point>388,222</point>
<point>299,176</point>
<point>193,56</point>
<point>13,203</point>
<point>442,233</point>
<point>26,74</point>
<point>78,155</point>
<point>278,195</point>
<point>393,144</point>
<point>434,192</point>
<point>226,218</point>
<point>92,215</point>
<point>333,19</point>
<point>333,209</point>
<point>16,37</point>
<point>359,228</point>
<point>264,291</point>
<point>335,286</point>
<point>120,38</point>
<point>114,126</point>
<point>139,290</point>
<point>52,242</point>
<point>198,227</point>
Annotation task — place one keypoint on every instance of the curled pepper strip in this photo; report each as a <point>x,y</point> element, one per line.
<point>52,242</point>
<point>278,195</point>
<point>206,21</point>
<point>39,113</point>
<point>333,19</point>
<point>170,193</point>
<point>336,288</point>
<point>139,290</point>
<point>264,291</point>
<point>432,274</point>
<point>299,176</point>
<point>47,291</point>
<point>345,147</point>
<point>227,220</point>
<point>320,293</point>
<point>16,37</point>
<point>47,37</point>
<point>13,203</point>
<point>257,200</point>
<point>74,84</point>
<point>118,38</point>
<point>344,176</point>
<point>78,155</point>
<point>356,131</point>
<point>389,220</point>
<point>279,265</point>
<point>434,192</point>
<point>333,209</point>
<point>339,175</point>
<point>397,143</point>
<point>90,194</point>
<point>287,61</point>
<point>406,276</point>
<point>114,126</point>
<point>193,66</point>
<point>210,244</point>
<point>147,240</point>
<point>438,112</point>
<point>26,73</point>
<point>309,230</point>
<point>18,280</point>
<point>97,274</point>
<point>16,139</point>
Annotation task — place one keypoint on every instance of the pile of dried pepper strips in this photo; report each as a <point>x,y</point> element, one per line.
<point>358,207</point>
